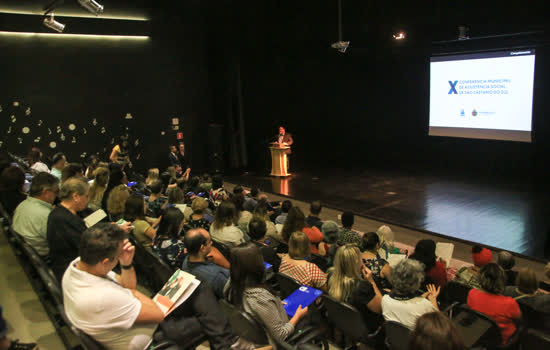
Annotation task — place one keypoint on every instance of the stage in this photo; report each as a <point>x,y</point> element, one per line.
<point>503,214</point>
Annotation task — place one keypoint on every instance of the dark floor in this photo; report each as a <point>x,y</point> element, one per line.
<point>505,214</point>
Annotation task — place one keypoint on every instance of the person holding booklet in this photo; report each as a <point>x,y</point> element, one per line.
<point>108,307</point>
<point>248,290</point>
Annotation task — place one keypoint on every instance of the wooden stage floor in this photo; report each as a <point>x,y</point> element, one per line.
<point>501,214</point>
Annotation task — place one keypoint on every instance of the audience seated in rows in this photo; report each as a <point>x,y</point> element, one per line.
<point>117,202</point>
<point>31,216</point>
<point>328,247</point>
<point>435,331</point>
<point>469,275</point>
<point>285,207</point>
<point>12,181</point>
<point>404,304</point>
<point>71,170</point>
<point>296,221</point>
<point>199,218</point>
<point>262,212</point>
<point>144,228</point>
<point>351,282</point>
<point>224,229</point>
<point>346,234</point>
<point>526,291</point>
<point>257,230</point>
<point>152,175</point>
<point>313,219</point>
<point>93,164</point>
<point>435,270</point>
<point>248,290</point>
<point>65,226</point>
<point>156,201</point>
<point>244,216</point>
<point>380,268</point>
<point>168,241</point>
<point>387,246</point>
<point>252,199</point>
<point>490,300</point>
<point>116,314</point>
<point>36,164</point>
<point>97,189</point>
<point>58,163</point>
<point>545,283</point>
<point>295,264</point>
<point>218,193</point>
<point>116,177</point>
<point>507,262</point>
<point>199,247</point>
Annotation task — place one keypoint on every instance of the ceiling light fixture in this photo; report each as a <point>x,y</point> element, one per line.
<point>340,45</point>
<point>92,6</point>
<point>51,23</point>
<point>399,36</point>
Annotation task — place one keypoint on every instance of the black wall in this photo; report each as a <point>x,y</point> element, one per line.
<point>74,81</point>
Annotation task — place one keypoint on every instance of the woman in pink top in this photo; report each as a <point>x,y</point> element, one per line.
<point>296,221</point>
<point>295,265</point>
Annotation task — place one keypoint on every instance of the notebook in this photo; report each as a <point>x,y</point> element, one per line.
<point>302,296</point>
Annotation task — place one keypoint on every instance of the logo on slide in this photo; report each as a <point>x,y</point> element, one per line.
<point>453,87</point>
<point>474,113</point>
<point>462,112</point>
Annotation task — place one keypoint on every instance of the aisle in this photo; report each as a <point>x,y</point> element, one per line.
<point>27,320</point>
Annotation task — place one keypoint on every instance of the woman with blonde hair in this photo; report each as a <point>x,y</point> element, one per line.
<point>152,175</point>
<point>116,202</point>
<point>295,265</point>
<point>101,179</point>
<point>387,247</point>
<point>349,281</point>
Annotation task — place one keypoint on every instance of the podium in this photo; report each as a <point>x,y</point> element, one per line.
<point>279,160</point>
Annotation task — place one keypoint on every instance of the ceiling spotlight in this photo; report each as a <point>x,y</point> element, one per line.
<point>340,46</point>
<point>51,23</point>
<point>399,36</point>
<point>463,32</point>
<point>92,6</point>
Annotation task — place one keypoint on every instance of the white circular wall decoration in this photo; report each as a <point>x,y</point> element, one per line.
<point>72,127</point>
<point>162,133</point>
<point>25,130</point>
<point>53,144</point>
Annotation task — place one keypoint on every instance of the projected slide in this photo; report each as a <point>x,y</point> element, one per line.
<point>485,96</point>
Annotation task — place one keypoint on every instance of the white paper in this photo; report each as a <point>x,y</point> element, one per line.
<point>394,259</point>
<point>444,251</point>
<point>94,218</point>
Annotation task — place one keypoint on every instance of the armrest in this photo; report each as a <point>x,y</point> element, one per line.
<point>166,345</point>
<point>450,308</point>
<point>306,335</point>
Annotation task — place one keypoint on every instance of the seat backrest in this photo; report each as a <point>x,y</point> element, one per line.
<point>287,284</point>
<point>89,342</point>
<point>476,328</point>
<point>346,318</point>
<point>153,271</point>
<point>243,324</point>
<point>224,249</point>
<point>533,318</point>
<point>320,261</point>
<point>533,339</point>
<point>455,292</point>
<point>397,335</point>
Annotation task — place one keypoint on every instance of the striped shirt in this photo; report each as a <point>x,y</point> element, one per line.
<point>268,310</point>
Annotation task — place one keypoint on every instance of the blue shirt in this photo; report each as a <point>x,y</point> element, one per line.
<point>209,272</point>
